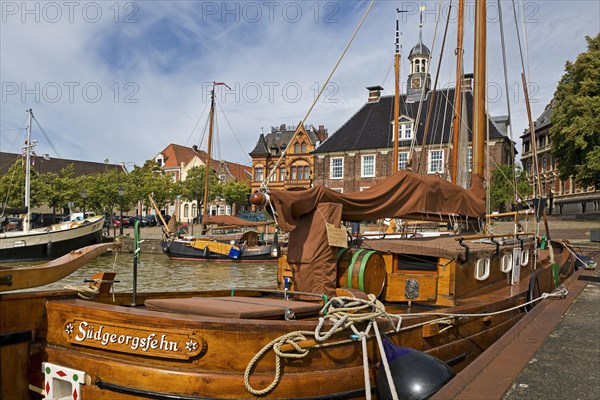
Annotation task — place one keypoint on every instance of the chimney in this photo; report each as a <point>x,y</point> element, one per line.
<point>195,148</point>
<point>282,127</point>
<point>322,133</point>
<point>374,93</point>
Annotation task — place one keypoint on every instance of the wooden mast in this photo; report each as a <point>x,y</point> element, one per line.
<point>396,96</point>
<point>208,150</point>
<point>479,83</point>
<point>458,92</point>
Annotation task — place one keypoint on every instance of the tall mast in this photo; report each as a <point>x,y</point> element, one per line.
<point>396,95</point>
<point>208,150</point>
<point>479,83</point>
<point>28,146</point>
<point>458,92</point>
<point>209,146</point>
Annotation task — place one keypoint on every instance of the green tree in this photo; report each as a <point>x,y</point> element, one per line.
<point>234,193</point>
<point>192,188</point>
<point>148,180</point>
<point>59,188</point>
<point>501,186</point>
<point>12,186</point>
<point>575,127</point>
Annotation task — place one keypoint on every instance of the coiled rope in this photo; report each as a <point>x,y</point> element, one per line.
<point>344,312</point>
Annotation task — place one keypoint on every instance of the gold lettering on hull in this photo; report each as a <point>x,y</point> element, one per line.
<point>164,343</point>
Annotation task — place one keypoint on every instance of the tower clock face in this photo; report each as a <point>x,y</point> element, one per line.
<point>416,83</point>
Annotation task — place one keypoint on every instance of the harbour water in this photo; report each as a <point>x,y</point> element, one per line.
<point>158,273</point>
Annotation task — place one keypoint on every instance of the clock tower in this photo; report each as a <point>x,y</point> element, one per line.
<point>418,78</point>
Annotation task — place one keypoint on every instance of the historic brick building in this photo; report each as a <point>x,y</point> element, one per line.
<point>360,153</point>
<point>564,196</point>
<point>177,160</point>
<point>296,169</point>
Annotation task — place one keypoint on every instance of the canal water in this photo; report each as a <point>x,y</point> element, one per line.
<point>158,273</point>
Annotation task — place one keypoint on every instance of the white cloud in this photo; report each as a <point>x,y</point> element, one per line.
<point>121,86</point>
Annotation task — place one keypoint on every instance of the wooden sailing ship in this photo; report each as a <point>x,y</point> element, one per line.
<point>326,332</point>
<point>243,246</point>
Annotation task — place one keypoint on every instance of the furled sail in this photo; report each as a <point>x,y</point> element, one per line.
<point>404,194</point>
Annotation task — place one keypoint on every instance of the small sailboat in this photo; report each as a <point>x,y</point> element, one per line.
<point>246,245</point>
<point>48,242</point>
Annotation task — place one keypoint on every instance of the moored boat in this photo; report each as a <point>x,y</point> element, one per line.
<point>49,242</point>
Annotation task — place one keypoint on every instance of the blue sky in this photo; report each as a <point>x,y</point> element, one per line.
<point>119,81</point>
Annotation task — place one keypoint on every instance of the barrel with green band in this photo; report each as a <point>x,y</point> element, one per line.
<point>361,269</point>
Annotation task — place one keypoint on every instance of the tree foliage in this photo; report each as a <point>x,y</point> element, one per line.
<point>502,190</point>
<point>192,188</point>
<point>235,192</point>
<point>575,128</point>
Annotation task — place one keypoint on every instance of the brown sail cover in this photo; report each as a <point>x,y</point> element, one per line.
<point>312,260</point>
<point>403,195</point>
<point>231,220</point>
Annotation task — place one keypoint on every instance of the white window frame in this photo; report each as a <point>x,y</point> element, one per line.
<point>404,133</point>
<point>440,162</point>
<point>363,166</point>
<point>470,158</point>
<point>256,174</point>
<point>404,162</point>
<point>333,168</point>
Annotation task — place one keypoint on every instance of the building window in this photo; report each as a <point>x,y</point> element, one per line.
<point>294,173</point>
<point>307,172</point>
<point>337,168</point>
<point>221,210</point>
<point>186,210</point>
<point>405,131</point>
<point>436,161</point>
<point>470,158</point>
<point>368,166</point>
<point>259,174</point>
<point>338,190</point>
<point>282,174</point>
<point>222,177</point>
<point>303,148</point>
<point>402,160</point>
<point>297,148</point>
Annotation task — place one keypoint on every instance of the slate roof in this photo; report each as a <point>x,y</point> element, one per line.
<point>278,138</point>
<point>175,154</point>
<point>41,165</point>
<point>371,127</point>
<point>543,120</point>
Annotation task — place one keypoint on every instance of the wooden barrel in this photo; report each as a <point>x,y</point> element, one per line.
<point>361,269</point>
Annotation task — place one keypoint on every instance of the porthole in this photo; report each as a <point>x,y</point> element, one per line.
<point>482,269</point>
<point>507,263</point>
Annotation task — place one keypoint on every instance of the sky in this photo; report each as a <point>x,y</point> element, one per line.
<point>118,81</point>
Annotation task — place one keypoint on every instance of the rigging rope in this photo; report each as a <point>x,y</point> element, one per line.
<point>263,185</point>
<point>46,136</point>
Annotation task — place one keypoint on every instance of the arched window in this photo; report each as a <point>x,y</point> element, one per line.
<point>303,147</point>
<point>282,174</point>
<point>186,210</point>
<point>423,65</point>
<point>297,148</point>
<point>417,65</point>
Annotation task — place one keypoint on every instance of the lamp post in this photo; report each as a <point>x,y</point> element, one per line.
<point>83,196</point>
<point>121,194</point>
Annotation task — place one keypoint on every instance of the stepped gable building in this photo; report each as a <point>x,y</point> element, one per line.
<point>563,196</point>
<point>296,169</point>
<point>177,160</point>
<point>360,153</point>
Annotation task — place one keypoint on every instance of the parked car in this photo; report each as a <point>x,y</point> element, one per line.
<point>10,224</point>
<point>143,222</point>
<point>257,217</point>
<point>152,218</point>
<point>125,222</point>
<point>166,218</point>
